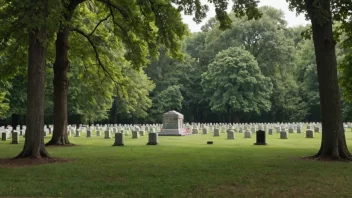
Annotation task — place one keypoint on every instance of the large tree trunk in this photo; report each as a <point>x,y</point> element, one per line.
<point>333,145</point>
<point>60,135</point>
<point>34,142</point>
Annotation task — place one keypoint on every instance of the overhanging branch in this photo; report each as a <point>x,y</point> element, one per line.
<point>102,20</point>
<point>97,56</point>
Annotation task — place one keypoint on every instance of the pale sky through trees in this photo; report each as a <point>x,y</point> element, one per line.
<point>290,16</point>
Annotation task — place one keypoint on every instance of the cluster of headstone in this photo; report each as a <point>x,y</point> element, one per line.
<point>85,130</point>
<point>120,131</point>
<point>247,129</point>
<point>135,131</point>
<point>11,133</point>
<point>109,129</point>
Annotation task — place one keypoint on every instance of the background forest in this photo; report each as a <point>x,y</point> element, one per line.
<point>256,71</point>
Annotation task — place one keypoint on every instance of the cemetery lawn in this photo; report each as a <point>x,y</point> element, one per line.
<point>180,167</point>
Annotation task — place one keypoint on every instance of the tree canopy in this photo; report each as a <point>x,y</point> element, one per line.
<point>235,84</point>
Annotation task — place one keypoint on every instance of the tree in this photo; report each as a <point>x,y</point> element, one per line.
<point>35,21</point>
<point>307,78</point>
<point>34,142</point>
<point>171,77</point>
<point>60,136</point>
<point>132,99</point>
<point>4,101</point>
<point>18,99</point>
<point>321,14</point>
<point>235,84</point>
<point>169,99</point>
<point>274,50</point>
<point>140,25</point>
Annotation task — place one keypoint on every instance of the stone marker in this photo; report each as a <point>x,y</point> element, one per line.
<point>216,133</point>
<point>283,135</point>
<point>89,133</point>
<point>107,134</point>
<point>261,139</point>
<point>290,130</point>
<point>205,131</point>
<point>309,134</point>
<point>152,139</point>
<point>210,142</point>
<point>3,136</point>
<point>135,135</point>
<point>247,134</point>
<point>141,133</point>
<point>77,133</point>
<point>119,139</point>
<point>316,129</point>
<point>98,133</point>
<point>299,130</point>
<point>271,131</point>
<point>194,131</point>
<point>15,138</point>
<point>230,134</point>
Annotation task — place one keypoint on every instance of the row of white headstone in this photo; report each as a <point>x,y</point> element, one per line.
<point>248,133</point>
<point>127,129</point>
<point>119,138</point>
<point>153,137</point>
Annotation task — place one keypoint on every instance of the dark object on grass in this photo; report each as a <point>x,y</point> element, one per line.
<point>209,142</point>
<point>261,140</point>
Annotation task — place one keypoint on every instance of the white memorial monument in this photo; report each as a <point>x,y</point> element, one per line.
<point>173,124</point>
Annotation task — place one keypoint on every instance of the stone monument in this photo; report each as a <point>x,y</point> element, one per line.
<point>261,138</point>
<point>173,124</point>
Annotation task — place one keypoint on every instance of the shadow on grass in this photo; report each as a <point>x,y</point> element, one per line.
<point>25,162</point>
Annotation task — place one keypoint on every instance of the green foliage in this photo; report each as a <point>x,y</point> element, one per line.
<point>172,75</point>
<point>345,60</point>
<point>99,71</point>
<point>18,96</point>
<point>169,99</point>
<point>346,72</point>
<point>137,101</point>
<point>18,17</point>
<point>272,45</point>
<point>4,99</point>
<point>234,82</point>
<point>92,86</point>
<point>114,45</point>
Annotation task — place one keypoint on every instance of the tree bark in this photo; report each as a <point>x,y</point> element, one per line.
<point>60,135</point>
<point>61,65</point>
<point>34,142</point>
<point>333,145</point>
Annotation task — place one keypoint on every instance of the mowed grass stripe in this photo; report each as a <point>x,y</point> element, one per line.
<point>181,167</point>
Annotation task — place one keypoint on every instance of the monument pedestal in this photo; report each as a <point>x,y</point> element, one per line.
<point>173,124</point>
<point>173,132</point>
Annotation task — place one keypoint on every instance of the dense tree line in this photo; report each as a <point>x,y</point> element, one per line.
<point>279,54</point>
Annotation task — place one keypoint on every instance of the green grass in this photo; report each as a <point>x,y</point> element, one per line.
<point>181,167</point>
